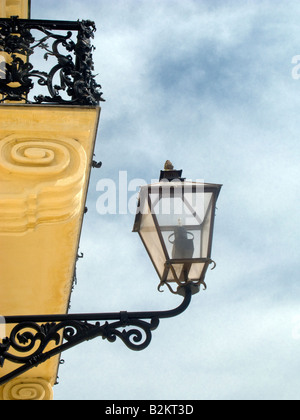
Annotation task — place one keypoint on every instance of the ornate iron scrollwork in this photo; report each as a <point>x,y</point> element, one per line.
<point>35,339</point>
<point>72,74</point>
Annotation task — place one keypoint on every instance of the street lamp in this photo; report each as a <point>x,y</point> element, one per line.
<point>175,221</point>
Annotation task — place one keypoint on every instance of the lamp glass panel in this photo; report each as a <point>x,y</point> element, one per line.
<point>150,237</point>
<point>193,271</point>
<point>183,214</point>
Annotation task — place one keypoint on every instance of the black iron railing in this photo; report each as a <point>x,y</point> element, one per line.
<point>67,45</point>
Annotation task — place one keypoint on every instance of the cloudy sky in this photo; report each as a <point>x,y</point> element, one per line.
<point>209,85</point>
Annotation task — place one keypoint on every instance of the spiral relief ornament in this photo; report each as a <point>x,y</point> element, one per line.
<point>29,389</point>
<point>52,172</point>
<point>35,157</point>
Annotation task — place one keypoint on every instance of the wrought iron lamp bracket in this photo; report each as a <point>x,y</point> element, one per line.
<point>35,339</point>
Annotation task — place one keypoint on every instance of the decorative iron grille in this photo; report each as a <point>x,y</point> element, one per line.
<point>70,81</point>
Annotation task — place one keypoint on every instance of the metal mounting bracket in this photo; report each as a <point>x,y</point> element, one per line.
<point>35,339</point>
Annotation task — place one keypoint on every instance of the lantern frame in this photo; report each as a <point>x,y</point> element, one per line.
<point>189,268</point>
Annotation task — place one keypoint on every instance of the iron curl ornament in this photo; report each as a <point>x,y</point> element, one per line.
<point>36,338</point>
<point>69,81</point>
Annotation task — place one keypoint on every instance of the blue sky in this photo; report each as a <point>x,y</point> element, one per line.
<point>207,84</point>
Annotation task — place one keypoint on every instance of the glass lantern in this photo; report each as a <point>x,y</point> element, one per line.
<point>175,221</point>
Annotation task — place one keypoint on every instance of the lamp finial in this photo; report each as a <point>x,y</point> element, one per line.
<point>168,166</point>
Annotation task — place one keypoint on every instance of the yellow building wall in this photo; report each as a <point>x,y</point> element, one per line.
<point>45,161</point>
<point>19,8</point>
